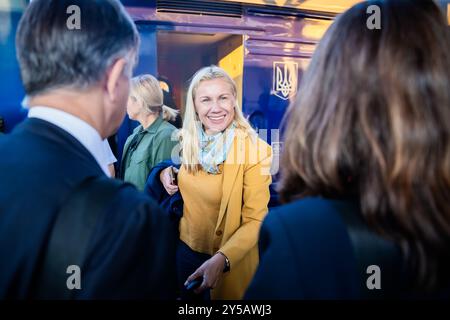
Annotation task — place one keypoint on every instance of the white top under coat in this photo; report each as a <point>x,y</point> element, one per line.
<point>81,131</point>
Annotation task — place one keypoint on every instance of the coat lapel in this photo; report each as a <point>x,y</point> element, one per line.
<point>230,173</point>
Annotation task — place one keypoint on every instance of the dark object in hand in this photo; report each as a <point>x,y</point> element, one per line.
<point>173,176</point>
<point>194,284</point>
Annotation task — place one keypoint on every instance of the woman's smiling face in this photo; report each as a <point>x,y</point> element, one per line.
<point>214,103</point>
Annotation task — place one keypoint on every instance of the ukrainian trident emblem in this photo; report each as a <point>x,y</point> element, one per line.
<point>285,75</point>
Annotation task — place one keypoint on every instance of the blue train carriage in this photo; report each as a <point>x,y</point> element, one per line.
<point>264,45</point>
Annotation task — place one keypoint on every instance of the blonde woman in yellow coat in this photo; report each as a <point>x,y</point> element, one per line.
<point>224,182</point>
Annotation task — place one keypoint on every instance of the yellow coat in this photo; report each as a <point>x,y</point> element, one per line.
<point>245,197</point>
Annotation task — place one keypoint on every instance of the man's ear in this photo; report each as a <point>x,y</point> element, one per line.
<point>113,77</point>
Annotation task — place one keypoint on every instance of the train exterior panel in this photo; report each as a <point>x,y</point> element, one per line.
<point>268,50</point>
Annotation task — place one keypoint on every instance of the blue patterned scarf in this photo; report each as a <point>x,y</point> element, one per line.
<point>214,149</point>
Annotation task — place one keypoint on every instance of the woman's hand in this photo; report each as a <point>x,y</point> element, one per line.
<point>211,270</point>
<point>167,182</point>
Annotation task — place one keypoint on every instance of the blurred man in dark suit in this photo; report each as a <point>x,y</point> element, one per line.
<point>2,125</point>
<point>76,72</point>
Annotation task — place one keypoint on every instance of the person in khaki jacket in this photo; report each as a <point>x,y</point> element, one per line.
<point>151,141</point>
<point>224,181</point>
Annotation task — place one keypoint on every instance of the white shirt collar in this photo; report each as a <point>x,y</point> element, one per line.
<point>79,129</point>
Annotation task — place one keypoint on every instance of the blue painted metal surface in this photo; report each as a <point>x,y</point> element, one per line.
<point>11,89</point>
<point>283,42</point>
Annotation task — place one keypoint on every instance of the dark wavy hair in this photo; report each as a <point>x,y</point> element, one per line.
<point>372,120</point>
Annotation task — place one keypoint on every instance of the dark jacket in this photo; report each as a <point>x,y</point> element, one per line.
<point>172,205</point>
<point>132,250</point>
<point>319,248</point>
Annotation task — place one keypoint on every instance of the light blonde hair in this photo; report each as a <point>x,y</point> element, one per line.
<point>189,133</point>
<point>146,90</point>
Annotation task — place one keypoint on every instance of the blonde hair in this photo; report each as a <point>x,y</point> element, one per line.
<point>189,133</point>
<point>146,89</point>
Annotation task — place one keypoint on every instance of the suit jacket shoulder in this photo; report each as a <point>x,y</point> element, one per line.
<point>41,166</point>
<point>133,234</point>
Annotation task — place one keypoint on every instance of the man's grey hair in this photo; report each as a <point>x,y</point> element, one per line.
<point>51,55</point>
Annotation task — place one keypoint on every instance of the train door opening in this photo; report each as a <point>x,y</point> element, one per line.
<point>181,54</point>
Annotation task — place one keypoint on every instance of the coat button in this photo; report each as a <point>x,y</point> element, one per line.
<point>218,233</point>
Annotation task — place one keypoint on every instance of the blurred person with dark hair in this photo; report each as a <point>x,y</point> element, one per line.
<point>2,125</point>
<point>366,165</point>
<point>58,210</point>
